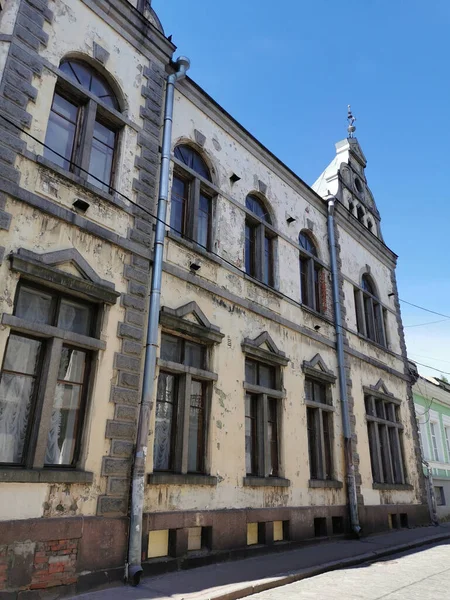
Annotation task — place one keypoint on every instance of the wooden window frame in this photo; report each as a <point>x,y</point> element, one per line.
<point>320,410</point>
<point>53,339</point>
<point>196,185</point>
<point>184,375</point>
<point>89,111</point>
<point>260,232</point>
<point>385,440</point>
<point>370,317</point>
<point>312,297</point>
<point>262,396</point>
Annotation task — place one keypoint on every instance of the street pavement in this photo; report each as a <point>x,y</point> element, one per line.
<point>263,573</point>
<point>421,575</point>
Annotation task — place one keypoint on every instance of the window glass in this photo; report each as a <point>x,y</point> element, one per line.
<point>327,444</point>
<point>17,385</point>
<point>367,285</point>
<point>257,208</point>
<point>193,160</point>
<point>251,443</point>
<point>194,355</point>
<point>61,132</point>
<point>196,427</point>
<point>88,78</point>
<point>66,414</point>
<point>266,376</point>
<point>178,205</point>
<point>251,371</point>
<point>75,317</point>
<point>170,348</point>
<point>272,432</point>
<point>34,305</point>
<point>102,153</point>
<point>204,210</point>
<point>312,442</point>
<point>267,263</point>
<point>164,424</point>
<point>306,243</point>
<point>249,249</point>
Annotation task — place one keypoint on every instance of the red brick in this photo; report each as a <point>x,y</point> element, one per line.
<point>40,559</point>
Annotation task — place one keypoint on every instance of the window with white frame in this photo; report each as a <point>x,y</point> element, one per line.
<point>434,431</point>
<point>447,439</point>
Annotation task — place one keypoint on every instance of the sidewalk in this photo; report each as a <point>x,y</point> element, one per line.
<point>233,580</point>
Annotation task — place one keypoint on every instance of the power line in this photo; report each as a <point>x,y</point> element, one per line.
<point>426,309</point>
<point>433,368</point>
<point>150,214</point>
<point>429,357</point>
<point>428,323</point>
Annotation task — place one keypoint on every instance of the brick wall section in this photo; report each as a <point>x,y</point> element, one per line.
<point>351,400</point>
<point>54,564</point>
<point>412,413</point>
<point>126,392</point>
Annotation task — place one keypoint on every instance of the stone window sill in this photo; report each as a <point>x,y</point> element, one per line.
<point>392,486</point>
<point>251,481</point>
<point>18,475</point>
<point>181,479</point>
<point>325,483</point>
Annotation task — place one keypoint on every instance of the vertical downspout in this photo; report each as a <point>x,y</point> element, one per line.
<point>134,567</point>
<point>350,467</point>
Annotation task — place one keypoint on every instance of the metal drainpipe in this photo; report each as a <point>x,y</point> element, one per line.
<point>134,567</point>
<point>350,467</point>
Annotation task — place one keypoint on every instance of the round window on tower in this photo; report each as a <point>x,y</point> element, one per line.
<point>358,185</point>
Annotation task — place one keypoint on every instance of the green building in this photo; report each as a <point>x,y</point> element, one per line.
<point>432,405</point>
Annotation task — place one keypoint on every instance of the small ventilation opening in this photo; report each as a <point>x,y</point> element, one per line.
<point>320,527</point>
<point>404,520</point>
<point>338,525</point>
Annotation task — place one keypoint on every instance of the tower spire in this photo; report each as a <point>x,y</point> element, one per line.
<point>351,119</point>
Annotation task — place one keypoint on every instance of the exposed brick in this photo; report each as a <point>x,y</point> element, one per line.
<point>121,395</point>
<point>123,431</point>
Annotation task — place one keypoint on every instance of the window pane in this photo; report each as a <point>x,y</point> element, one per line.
<point>16,393</point>
<point>171,348</point>
<point>85,76</point>
<point>193,160</point>
<point>312,443</point>
<point>304,280</point>
<point>396,459</point>
<point>251,371</point>
<point>272,432</point>
<point>178,205</point>
<point>267,263</point>
<point>34,306</point>
<point>204,209</point>
<point>319,392</point>
<point>250,250</point>
<point>376,475</point>
<point>309,389</point>
<point>72,365</point>
<point>164,443</point>
<point>61,132</point>
<point>306,243</point>
<point>251,440</point>
<point>75,317</point>
<point>102,152</point>
<point>317,288</point>
<point>266,376</point>
<point>64,425</point>
<point>66,414</point>
<point>257,208</point>
<point>196,443</point>
<point>194,355</point>
<point>326,418</point>
<point>22,355</point>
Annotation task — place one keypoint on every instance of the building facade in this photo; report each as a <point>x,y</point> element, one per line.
<point>432,405</point>
<point>245,441</point>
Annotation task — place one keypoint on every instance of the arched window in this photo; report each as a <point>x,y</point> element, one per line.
<point>258,241</point>
<point>82,132</point>
<point>191,199</point>
<point>370,315</point>
<point>360,214</point>
<point>310,270</point>
<point>370,226</point>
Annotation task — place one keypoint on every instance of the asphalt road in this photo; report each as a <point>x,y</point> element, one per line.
<point>415,575</point>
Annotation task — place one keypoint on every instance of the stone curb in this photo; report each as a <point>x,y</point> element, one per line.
<point>284,579</point>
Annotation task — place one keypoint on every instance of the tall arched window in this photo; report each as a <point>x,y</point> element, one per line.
<point>258,241</point>
<point>191,199</point>
<point>82,131</point>
<point>310,270</point>
<point>370,315</point>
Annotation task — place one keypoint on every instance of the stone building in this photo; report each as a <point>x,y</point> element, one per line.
<point>246,441</point>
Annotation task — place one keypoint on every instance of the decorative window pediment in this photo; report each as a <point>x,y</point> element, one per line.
<point>318,369</point>
<point>191,320</point>
<point>380,390</point>
<point>264,348</point>
<point>64,269</point>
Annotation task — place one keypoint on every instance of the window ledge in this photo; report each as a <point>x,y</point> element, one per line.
<point>264,286</point>
<point>316,314</point>
<point>325,483</point>
<point>179,239</point>
<point>45,475</point>
<point>392,486</point>
<point>252,481</point>
<point>181,479</point>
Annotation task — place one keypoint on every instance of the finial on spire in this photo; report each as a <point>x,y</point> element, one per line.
<point>351,119</point>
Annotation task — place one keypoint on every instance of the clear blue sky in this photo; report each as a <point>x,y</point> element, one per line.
<point>287,70</point>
